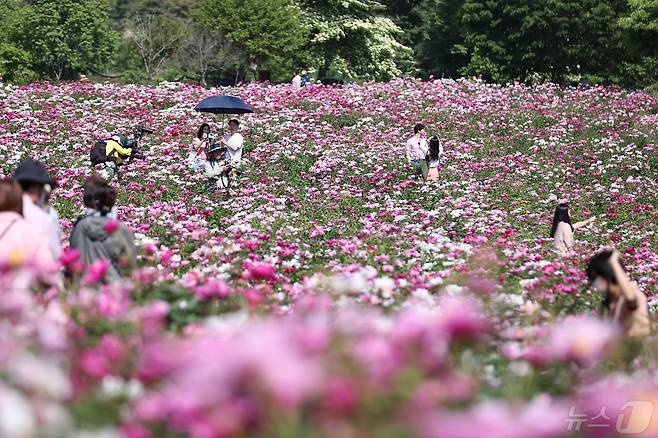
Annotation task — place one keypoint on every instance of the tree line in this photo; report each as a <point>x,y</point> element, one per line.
<point>603,41</point>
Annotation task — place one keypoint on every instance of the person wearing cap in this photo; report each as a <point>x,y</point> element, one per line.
<point>37,185</point>
<point>119,148</point>
<point>214,166</point>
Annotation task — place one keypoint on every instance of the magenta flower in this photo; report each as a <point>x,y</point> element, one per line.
<point>111,226</point>
<point>261,271</point>
<point>462,317</point>
<point>96,272</point>
<point>212,289</point>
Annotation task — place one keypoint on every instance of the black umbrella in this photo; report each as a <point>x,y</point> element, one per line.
<point>223,105</point>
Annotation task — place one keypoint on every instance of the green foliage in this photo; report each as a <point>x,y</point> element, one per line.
<point>533,41</point>
<point>513,40</point>
<point>642,25</point>
<point>15,63</point>
<point>65,37</point>
<point>268,31</point>
<point>155,39</point>
<point>354,38</point>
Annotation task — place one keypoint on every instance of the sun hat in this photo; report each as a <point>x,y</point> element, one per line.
<point>215,147</point>
<point>32,171</point>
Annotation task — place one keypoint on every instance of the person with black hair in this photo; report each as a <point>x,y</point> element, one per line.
<point>37,186</point>
<point>562,229</point>
<point>416,151</point>
<point>200,144</point>
<point>234,142</point>
<point>214,166</point>
<point>623,300</point>
<point>433,156</point>
<point>99,236</point>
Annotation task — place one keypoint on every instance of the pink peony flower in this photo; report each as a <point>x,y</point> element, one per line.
<point>96,272</point>
<point>261,271</point>
<point>212,289</point>
<point>111,226</point>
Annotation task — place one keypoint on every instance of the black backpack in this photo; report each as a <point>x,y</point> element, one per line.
<point>97,153</point>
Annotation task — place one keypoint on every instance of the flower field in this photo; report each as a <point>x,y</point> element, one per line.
<point>333,295</point>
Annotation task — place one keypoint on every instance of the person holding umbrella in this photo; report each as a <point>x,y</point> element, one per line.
<point>234,142</point>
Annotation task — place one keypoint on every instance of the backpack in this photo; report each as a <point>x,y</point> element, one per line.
<point>97,153</point>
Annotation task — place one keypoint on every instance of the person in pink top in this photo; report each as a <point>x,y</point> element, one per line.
<point>416,151</point>
<point>562,229</point>
<point>36,185</point>
<point>18,242</point>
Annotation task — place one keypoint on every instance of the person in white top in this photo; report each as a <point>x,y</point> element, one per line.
<point>416,150</point>
<point>297,81</point>
<point>434,156</point>
<point>214,166</point>
<point>234,142</point>
<point>197,155</point>
<point>562,229</point>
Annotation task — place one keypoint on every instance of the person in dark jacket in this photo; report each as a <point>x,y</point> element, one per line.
<point>97,235</point>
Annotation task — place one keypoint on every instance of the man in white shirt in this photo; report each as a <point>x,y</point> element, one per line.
<point>416,150</point>
<point>234,142</point>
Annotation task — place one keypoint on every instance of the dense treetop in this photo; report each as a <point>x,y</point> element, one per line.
<point>603,41</point>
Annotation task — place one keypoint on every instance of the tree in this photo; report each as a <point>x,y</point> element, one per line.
<point>641,24</point>
<point>266,32</point>
<point>354,38</point>
<point>66,37</point>
<point>156,38</point>
<point>123,11</point>
<point>516,39</point>
<point>204,48</point>
<point>15,62</point>
<point>440,47</point>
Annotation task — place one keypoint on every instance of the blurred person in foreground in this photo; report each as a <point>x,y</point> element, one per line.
<point>98,236</point>
<point>623,302</point>
<point>37,186</point>
<point>19,243</point>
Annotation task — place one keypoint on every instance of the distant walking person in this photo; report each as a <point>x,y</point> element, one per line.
<point>297,81</point>
<point>562,229</point>
<point>37,185</point>
<point>433,157</point>
<point>416,151</point>
<point>100,237</point>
